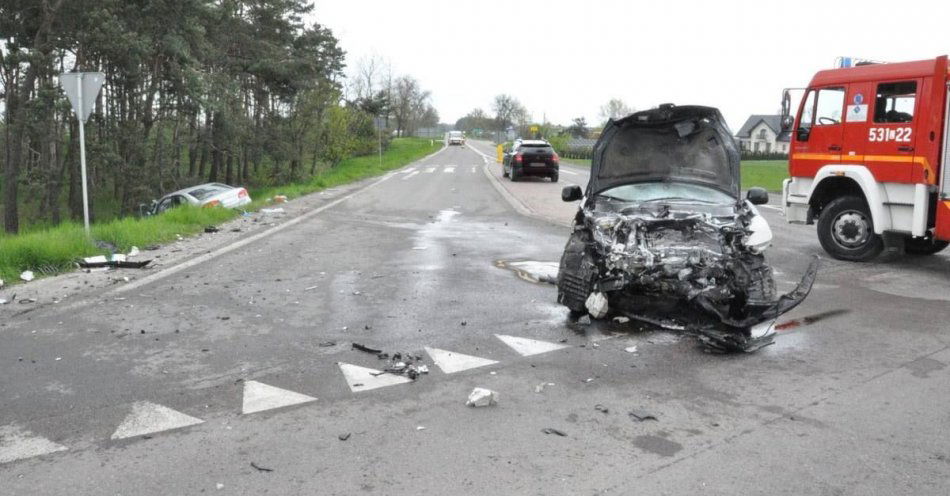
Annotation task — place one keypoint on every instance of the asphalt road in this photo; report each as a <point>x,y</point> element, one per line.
<point>175,385</point>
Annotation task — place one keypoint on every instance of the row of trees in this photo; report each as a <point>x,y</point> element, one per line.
<point>399,101</point>
<point>509,113</point>
<point>236,91</point>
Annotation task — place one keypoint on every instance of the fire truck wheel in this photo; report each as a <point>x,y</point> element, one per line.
<point>846,231</point>
<point>923,246</point>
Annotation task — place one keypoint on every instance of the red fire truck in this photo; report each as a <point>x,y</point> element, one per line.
<point>868,156</point>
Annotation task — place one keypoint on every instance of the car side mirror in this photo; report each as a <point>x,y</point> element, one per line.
<point>757,196</point>
<point>571,193</point>
<point>802,133</point>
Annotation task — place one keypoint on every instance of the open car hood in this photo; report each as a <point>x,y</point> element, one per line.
<point>689,144</point>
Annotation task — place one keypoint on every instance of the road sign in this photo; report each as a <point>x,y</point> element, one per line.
<point>82,88</point>
<point>534,129</point>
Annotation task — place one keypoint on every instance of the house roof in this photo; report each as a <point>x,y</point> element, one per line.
<point>774,122</point>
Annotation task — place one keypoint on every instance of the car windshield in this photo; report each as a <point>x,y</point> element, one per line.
<point>206,191</point>
<point>666,191</point>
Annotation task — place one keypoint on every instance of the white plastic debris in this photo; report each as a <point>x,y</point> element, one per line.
<point>540,387</point>
<point>420,428</point>
<point>480,397</point>
<point>133,252</point>
<point>597,305</point>
<point>422,369</point>
<point>3,301</point>
<point>96,259</point>
<point>1,283</point>
<point>27,275</point>
<point>278,210</point>
<point>630,349</point>
<point>621,319</point>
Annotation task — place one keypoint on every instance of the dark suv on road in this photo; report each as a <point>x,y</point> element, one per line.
<point>530,158</point>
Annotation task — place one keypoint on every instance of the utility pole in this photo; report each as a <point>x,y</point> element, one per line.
<point>82,88</point>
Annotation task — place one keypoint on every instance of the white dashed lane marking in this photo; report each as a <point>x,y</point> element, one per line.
<point>568,172</point>
<point>449,169</point>
<point>528,347</point>
<point>259,397</point>
<point>473,170</point>
<point>18,444</point>
<point>407,176</point>
<point>364,378</point>
<point>451,362</point>
<point>149,418</point>
<point>429,170</point>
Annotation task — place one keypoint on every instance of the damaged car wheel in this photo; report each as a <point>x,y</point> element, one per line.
<point>576,274</point>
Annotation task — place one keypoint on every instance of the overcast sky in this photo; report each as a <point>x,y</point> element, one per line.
<point>564,59</point>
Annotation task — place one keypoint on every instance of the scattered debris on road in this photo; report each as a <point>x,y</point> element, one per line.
<point>601,408</point>
<point>631,349</point>
<point>551,430</point>
<point>641,415</point>
<point>327,344</point>
<point>481,397</point>
<point>344,436</point>
<point>260,468</point>
<point>272,211</point>
<point>531,271</point>
<point>280,199</point>
<point>27,275</point>
<point>212,230</point>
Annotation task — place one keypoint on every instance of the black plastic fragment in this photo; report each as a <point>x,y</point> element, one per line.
<point>366,349</point>
<point>551,430</point>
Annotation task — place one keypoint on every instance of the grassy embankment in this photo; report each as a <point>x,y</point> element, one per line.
<point>764,173</point>
<point>53,250</point>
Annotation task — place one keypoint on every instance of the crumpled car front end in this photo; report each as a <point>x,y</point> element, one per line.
<point>672,251</point>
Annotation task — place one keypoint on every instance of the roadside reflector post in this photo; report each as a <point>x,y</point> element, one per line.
<point>501,153</point>
<point>82,88</point>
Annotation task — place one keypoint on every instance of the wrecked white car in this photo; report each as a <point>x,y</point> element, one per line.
<point>662,235</point>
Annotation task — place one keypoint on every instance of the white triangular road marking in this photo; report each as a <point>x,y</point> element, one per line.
<point>149,418</point>
<point>528,347</point>
<point>259,397</point>
<point>17,444</point>
<point>364,379</point>
<point>451,362</point>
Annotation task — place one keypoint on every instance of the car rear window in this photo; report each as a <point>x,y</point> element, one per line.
<point>207,191</point>
<point>536,147</point>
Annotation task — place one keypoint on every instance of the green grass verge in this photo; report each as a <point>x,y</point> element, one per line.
<point>767,174</point>
<point>54,250</point>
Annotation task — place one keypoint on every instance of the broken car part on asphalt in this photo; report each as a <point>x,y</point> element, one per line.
<point>480,397</point>
<point>663,235</point>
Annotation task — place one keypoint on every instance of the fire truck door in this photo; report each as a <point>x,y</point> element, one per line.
<point>943,203</point>
<point>892,132</point>
<point>818,139</point>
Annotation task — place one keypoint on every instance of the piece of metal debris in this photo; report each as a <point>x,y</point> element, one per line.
<point>327,344</point>
<point>601,408</point>
<point>260,468</point>
<point>551,430</point>
<point>366,349</point>
<point>344,436</point>
<point>101,262</point>
<point>640,415</point>
<point>480,397</point>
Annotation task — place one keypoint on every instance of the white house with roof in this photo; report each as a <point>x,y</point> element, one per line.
<point>763,134</point>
